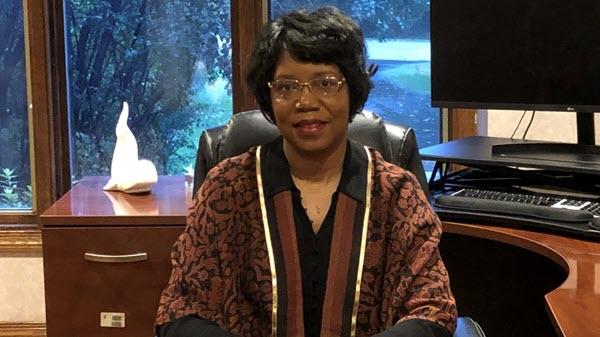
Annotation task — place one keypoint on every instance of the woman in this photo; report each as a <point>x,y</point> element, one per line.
<point>310,234</point>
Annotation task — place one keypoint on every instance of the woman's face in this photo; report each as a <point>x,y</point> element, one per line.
<point>308,120</point>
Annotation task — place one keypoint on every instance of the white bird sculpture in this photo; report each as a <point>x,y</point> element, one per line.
<point>127,172</point>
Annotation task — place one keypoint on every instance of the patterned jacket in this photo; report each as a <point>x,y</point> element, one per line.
<point>236,262</point>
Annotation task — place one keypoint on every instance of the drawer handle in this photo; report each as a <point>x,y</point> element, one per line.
<point>116,258</point>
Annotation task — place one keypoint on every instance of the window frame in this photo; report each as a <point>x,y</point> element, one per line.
<point>39,119</point>
<point>244,31</point>
<point>47,97</point>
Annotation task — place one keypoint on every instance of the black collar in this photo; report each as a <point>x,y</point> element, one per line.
<point>277,178</point>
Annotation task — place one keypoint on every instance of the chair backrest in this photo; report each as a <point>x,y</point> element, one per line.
<point>396,143</point>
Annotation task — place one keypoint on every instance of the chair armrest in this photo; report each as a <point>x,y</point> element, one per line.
<point>467,327</point>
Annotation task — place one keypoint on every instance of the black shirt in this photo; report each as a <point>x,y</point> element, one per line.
<point>313,249</point>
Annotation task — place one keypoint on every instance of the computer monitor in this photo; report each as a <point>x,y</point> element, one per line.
<point>518,54</point>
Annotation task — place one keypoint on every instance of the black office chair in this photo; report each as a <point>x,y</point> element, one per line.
<point>396,143</point>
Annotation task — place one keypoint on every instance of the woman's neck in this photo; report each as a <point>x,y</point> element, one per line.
<point>315,167</point>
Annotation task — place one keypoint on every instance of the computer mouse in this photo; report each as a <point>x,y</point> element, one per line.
<point>595,224</point>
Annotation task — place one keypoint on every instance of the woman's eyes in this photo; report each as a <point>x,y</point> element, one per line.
<point>323,83</point>
<point>287,86</point>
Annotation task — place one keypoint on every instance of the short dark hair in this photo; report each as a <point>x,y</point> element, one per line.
<point>326,36</point>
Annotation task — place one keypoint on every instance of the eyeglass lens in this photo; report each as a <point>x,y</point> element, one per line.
<point>288,88</point>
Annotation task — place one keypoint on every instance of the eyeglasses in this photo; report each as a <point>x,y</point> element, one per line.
<point>289,89</point>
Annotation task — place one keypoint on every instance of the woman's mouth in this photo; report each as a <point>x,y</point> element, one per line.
<point>310,127</point>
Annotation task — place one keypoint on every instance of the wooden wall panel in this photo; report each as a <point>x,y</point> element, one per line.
<point>247,19</point>
<point>19,240</point>
<point>461,123</point>
<point>25,329</point>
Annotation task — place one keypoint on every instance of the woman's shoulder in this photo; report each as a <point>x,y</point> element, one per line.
<point>393,179</point>
<point>400,195</point>
<point>233,167</point>
<point>386,170</point>
<point>229,174</point>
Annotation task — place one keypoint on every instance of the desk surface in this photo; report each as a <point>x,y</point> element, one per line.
<point>86,204</point>
<point>575,304</point>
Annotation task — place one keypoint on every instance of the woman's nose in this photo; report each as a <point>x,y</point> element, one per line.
<point>306,100</point>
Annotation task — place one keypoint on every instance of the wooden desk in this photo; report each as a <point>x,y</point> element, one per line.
<point>574,306</point>
<point>89,220</point>
<point>79,287</point>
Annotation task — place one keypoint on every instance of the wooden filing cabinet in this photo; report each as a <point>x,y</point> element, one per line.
<point>107,257</point>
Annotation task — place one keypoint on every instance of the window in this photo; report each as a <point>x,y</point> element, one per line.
<point>170,60</point>
<point>74,95</point>
<point>397,38</point>
<point>15,175</point>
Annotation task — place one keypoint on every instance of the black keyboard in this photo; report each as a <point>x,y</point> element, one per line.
<point>591,207</point>
<point>546,212</point>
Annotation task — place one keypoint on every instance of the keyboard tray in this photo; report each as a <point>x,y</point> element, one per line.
<point>498,213</point>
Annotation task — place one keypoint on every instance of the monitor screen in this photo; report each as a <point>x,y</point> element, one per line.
<point>516,54</point>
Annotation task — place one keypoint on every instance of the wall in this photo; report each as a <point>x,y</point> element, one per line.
<point>547,125</point>
<point>21,282</point>
<point>21,288</point>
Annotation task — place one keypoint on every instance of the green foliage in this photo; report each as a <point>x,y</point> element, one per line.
<point>13,94</point>
<point>170,60</point>
<point>387,19</point>
<point>150,54</point>
<point>11,195</point>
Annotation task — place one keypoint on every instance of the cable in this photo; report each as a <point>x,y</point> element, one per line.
<point>528,125</point>
<point>518,124</point>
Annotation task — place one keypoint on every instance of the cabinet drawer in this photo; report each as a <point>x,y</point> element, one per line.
<point>79,288</point>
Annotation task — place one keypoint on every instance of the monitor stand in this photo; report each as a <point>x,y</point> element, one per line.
<point>586,134</point>
<point>582,153</point>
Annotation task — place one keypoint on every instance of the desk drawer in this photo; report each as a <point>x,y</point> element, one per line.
<point>79,288</point>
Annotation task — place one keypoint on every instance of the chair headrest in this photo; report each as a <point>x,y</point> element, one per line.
<point>396,143</point>
<point>243,131</point>
<point>247,129</point>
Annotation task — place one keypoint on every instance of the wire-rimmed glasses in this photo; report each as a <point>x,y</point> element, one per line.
<point>290,89</point>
